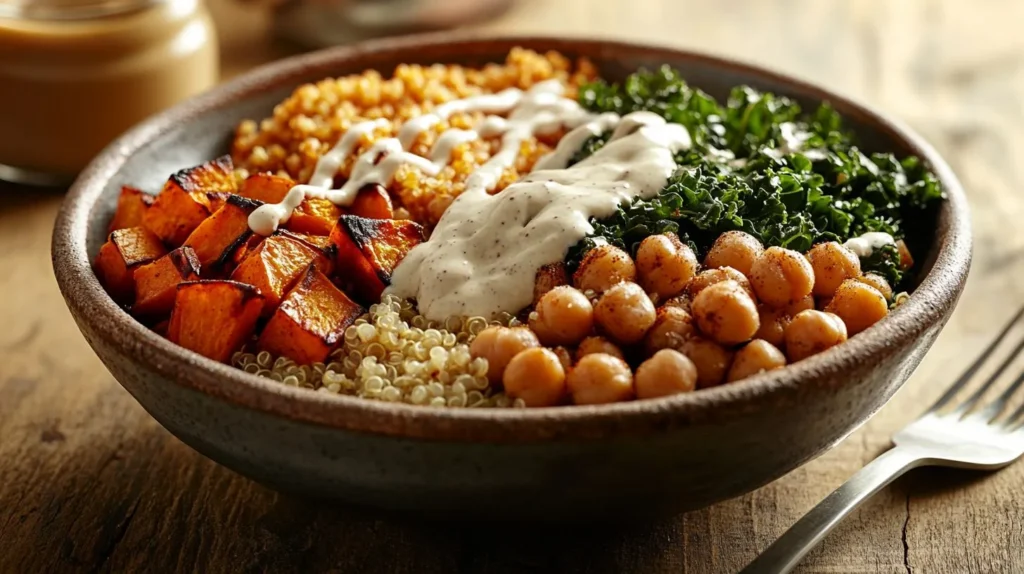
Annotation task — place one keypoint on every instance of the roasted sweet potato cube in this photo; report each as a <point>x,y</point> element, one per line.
<point>214,318</point>
<point>369,250</point>
<point>156,283</point>
<point>322,242</point>
<point>265,187</point>
<point>217,200</point>
<point>131,206</point>
<point>314,216</point>
<point>373,202</point>
<point>219,235</point>
<point>185,202</point>
<point>276,264</point>
<point>311,321</point>
<point>124,252</point>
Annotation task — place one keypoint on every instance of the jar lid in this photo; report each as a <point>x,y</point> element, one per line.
<point>58,10</point>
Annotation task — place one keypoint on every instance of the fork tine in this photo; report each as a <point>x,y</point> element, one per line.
<point>974,398</point>
<point>969,373</point>
<point>992,411</point>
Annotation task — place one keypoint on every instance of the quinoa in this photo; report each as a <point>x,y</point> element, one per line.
<point>308,123</point>
<point>394,354</point>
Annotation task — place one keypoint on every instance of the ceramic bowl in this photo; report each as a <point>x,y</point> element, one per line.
<point>610,461</point>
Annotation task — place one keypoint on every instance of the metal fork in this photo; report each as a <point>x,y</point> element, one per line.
<point>969,435</point>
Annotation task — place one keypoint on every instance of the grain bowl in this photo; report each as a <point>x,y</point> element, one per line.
<point>565,112</point>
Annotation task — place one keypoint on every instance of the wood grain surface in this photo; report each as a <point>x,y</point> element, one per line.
<point>89,482</point>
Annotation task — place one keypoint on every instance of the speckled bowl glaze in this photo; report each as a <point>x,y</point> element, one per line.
<point>609,461</point>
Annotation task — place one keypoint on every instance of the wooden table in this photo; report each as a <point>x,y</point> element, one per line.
<point>88,481</point>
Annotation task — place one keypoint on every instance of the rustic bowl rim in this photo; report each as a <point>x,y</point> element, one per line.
<point>932,300</point>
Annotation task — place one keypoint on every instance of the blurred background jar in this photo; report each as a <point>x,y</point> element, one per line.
<point>75,74</point>
<point>316,23</point>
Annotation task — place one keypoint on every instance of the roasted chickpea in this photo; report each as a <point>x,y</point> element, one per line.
<point>773,325</point>
<point>547,278</point>
<point>537,376</point>
<point>563,316</point>
<point>672,327</point>
<point>564,356</point>
<point>725,313</point>
<point>498,345</point>
<point>811,332</point>
<point>602,267</point>
<point>832,264</point>
<point>595,344</point>
<point>665,265</point>
<point>756,356</point>
<point>878,282</point>
<point>681,301</point>
<point>735,249</point>
<point>625,313</point>
<point>906,260</point>
<point>598,378</point>
<point>801,305</point>
<point>859,305</point>
<point>712,360</point>
<point>666,373</point>
<point>781,276</point>
<point>712,276</point>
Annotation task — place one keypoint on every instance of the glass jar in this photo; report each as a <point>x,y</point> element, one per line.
<point>75,74</point>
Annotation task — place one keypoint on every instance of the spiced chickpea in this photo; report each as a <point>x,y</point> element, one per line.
<point>725,313</point>
<point>536,376</point>
<point>878,282</point>
<point>625,313</point>
<point>711,276</point>
<point>781,276</point>
<point>773,324</point>
<point>812,332</point>
<point>547,278</point>
<point>711,359</point>
<point>755,357</point>
<point>735,249</point>
<point>799,305</point>
<point>664,265</point>
<point>597,344</point>
<point>564,356</point>
<point>672,327</point>
<point>563,316</point>
<point>602,267</point>
<point>498,345</point>
<point>859,305</point>
<point>668,372</point>
<point>599,378</point>
<point>832,264</point>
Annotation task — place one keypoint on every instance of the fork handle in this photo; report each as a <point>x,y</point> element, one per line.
<point>796,542</point>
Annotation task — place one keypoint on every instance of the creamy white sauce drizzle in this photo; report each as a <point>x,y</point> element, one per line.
<point>484,253</point>
<point>542,110</point>
<point>866,244</point>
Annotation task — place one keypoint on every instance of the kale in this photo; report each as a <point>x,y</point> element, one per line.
<point>741,174</point>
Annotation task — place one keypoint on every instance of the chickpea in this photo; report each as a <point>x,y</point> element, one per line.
<point>735,249</point>
<point>602,267</point>
<point>773,325</point>
<point>832,264</point>
<point>548,277</point>
<point>666,373</point>
<point>598,378</point>
<point>906,260</point>
<point>726,313</point>
<point>681,301</point>
<point>801,305</point>
<point>711,359</point>
<point>811,332</point>
<point>563,316</point>
<point>595,344</point>
<point>781,276</point>
<point>711,276</point>
<point>498,345</point>
<point>878,282</point>
<point>625,313</point>
<point>537,376</point>
<point>859,305</point>
<point>755,357</point>
<point>665,265</point>
<point>672,327</point>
